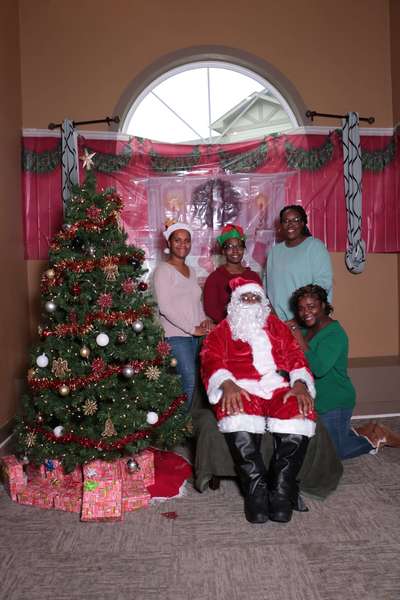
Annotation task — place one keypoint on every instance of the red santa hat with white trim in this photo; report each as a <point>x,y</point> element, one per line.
<point>240,285</point>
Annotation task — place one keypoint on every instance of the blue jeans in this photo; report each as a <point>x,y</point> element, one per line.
<point>185,350</point>
<point>348,444</point>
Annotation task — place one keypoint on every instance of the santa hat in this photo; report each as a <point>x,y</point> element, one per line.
<point>174,227</point>
<point>231,231</point>
<point>240,285</point>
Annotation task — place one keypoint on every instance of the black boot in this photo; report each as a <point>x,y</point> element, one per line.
<point>288,456</point>
<point>245,451</point>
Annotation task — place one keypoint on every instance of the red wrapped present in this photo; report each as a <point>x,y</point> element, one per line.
<point>39,493</point>
<point>13,475</point>
<point>102,500</point>
<point>69,497</point>
<point>35,472</point>
<point>54,469</point>
<point>134,496</point>
<point>145,470</point>
<point>101,470</point>
<point>76,476</point>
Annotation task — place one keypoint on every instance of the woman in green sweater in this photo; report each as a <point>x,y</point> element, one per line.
<point>325,345</point>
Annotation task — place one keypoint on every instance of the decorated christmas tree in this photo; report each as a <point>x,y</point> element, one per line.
<point>101,383</point>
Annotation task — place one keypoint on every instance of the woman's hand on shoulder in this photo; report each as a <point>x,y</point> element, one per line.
<point>208,325</point>
<point>294,328</point>
<point>204,328</point>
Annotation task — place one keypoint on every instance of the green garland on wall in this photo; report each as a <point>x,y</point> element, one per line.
<point>296,158</point>
<point>110,163</point>
<point>377,160</point>
<point>243,162</point>
<point>309,160</point>
<point>41,162</point>
<point>174,164</point>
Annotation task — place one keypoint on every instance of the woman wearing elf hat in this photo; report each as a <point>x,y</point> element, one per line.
<point>232,243</point>
<point>179,301</point>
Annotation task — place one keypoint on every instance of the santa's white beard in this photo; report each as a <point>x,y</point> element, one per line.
<point>247,320</point>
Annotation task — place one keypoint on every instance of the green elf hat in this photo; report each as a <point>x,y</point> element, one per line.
<point>231,231</point>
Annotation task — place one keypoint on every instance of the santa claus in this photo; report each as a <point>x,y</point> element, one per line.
<point>257,378</point>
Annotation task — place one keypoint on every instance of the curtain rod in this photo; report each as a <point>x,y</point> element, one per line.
<point>107,120</point>
<point>312,113</point>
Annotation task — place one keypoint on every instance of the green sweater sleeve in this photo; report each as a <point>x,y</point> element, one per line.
<point>323,354</point>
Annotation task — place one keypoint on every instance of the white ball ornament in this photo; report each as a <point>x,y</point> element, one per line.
<point>102,339</point>
<point>50,306</point>
<point>137,326</point>
<point>58,431</point>
<point>128,372</point>
<point>152,418</point>
<point>42,360</point>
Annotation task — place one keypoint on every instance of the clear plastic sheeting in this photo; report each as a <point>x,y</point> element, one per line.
<point>207,204</point>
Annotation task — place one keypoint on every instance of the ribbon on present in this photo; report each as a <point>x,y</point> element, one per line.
<point>90,486</point>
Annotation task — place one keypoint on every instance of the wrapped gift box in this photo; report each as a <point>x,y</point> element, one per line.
<point>35,472</point>
<point>101,470</point>
<point>39,493</point>
<point>69,497</point>
<point>145,473</point>
<point>134,495</point>
<point>76,476</point>
<point>102,500</point>
<point>13,476</point>
<point>54,469</point>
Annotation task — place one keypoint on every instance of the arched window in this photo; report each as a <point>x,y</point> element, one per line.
<point>211,102</point>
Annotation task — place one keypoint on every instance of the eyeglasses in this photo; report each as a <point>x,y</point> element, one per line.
<point>290,221</point>
<point>231,247</point>
<point>249,297</point>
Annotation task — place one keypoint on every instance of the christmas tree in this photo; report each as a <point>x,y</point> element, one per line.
<point>101,382</point>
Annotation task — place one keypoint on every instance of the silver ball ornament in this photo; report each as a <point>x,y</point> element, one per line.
<point>128,371</point>
<point>58,431</point>
<point>50,306</point>
<point>152,417</point>
<point>63,390</point>
<point>137,326</point>
<point>173,362</point>
<point>132,465</point>
<point>91,251</point>
<point>42,361</point>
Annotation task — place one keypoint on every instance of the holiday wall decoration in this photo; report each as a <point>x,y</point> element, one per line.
<point>101,366</point>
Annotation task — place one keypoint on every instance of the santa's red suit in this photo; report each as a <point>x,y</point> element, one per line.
<point>255,366</point>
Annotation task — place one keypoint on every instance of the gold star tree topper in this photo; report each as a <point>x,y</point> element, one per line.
<point>87,159</point>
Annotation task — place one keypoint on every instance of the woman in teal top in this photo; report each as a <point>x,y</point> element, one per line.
<point>326,345</point>
<point>298,260</point>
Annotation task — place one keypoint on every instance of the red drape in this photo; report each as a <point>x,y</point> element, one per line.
<point>320,189</point>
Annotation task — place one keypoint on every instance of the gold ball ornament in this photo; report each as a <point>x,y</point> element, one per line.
<point>50,273</point>
<point>173,362</point>
<point>84,352</point>
<point>63,390</point>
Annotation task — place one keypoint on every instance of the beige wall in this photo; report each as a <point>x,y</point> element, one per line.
<point>78,58</point>
<point>13,296</point>
<point>395,57</point>
<point>367,305</point>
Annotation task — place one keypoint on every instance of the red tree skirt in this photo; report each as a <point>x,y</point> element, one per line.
<point>171,473</point>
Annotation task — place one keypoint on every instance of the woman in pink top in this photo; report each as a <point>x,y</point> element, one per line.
<point>180,306</point>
